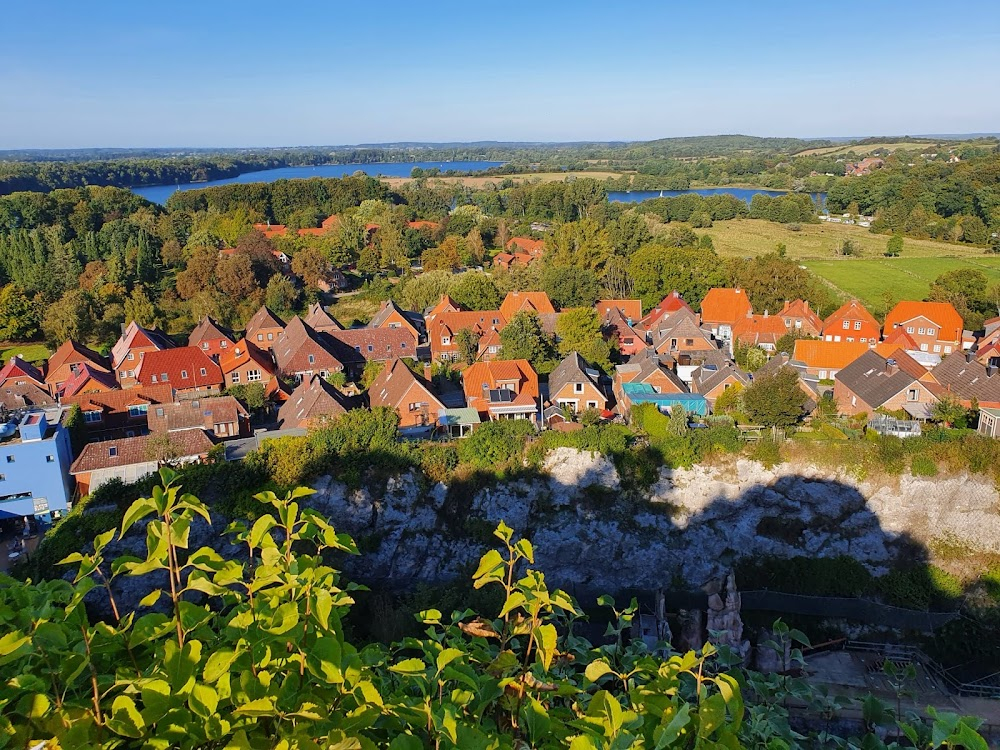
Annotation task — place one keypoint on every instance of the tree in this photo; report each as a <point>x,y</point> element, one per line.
<point>281,295</point>
<point>950,411</point>
<point>570,287</point>
<point>894,246</point>
<point>447,256</point>
<point>678,425</point>
<point>423,291</point>
<point>236,278</point>
<point>580,244</point>
<point>19,316</point>
<point>730,400</point>
<point>967,289</point>
<point>751,358</point>
<point>392,248</point>
<point>658,270</point>
<point>775,399</point>
<point>311,265</point>
<point>579,330</point>
<point>139,308</point>
<point>251,395</point>
<point>474,247</point>
<point>974,231</point>
<point>475,290</point>
<point>786,343</point>
<point>523,338</point>
<point>372,370</point>
<point>468,345</point>
<point>769,280</point>
<point>848,248</point>
<point>617,281</point>
<point>71,317</point>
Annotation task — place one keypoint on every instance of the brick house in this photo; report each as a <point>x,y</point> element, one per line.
<point>22,384</point>
<point>526,245</point>
<point>444,327</point>
<point>616,328</point>
<point>872,382</point>
<point>711,381</point>
<point>67,359</point>
<point>963,376</point>
<point>669,305</point>
<point>823,359</point>
<point>631,309</point>
<point>117,414</point>
<point>722,308</point>
<point>852,323</point>
<point>300,352</point>
<point>574,383</point>
<point>311,402</point>
<point>798,317</point>
<point>186,369</point>
<point>936,327</point>
<point>391,315</point>
<point>355,347</point>
<point>128,352</point>
<point>678,333</point>
<point>223,417</point>
<point>506,389</point>
<point>321,320</point>
<point>211,337</point>
<point>264,328</point>
<point>88,380</point>
<point>648,373</point>
<point>245,364</point>
<point>398,387</point>
<point>515,302</point>
<point>759,330</point>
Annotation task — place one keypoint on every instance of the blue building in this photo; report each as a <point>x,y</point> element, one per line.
<point>35,456</point>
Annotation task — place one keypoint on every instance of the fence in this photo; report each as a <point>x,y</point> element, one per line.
<point>863,610</point>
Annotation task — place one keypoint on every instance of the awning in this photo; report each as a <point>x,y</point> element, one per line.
<point>918,410</point>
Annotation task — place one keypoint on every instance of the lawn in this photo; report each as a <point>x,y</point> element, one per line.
<point>868,275</point>
<point>34,352</point>
<point>748,237</point>
<point>353,309</point>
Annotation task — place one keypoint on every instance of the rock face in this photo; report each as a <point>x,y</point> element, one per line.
<point>589,538</point>
<point>723,617</point>
<point>694,524</point>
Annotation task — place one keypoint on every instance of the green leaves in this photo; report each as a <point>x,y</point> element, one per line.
<point>125,718</point>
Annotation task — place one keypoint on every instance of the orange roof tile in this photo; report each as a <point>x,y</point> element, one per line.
<point>631,308</point>
<point>942,313</point>
<point>515,302</point>
<point>725,305</point>
<point>828,355</point>
<point>527,245</point>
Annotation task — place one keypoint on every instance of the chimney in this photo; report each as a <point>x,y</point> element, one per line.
<point>991,371</point>
<point>891,368</point>
<point>969,355</point>
<point>806,304</point>
<point>427,372</point>
<point>765,313</point>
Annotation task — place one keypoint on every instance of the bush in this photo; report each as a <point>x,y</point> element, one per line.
<point>766,452</point>
<point>495,445</point>
<point>818,576</point>
<point>923,466</point>
<point>920,587</point>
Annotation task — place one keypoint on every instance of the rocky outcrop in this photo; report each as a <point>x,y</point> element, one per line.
<point>693,525</point>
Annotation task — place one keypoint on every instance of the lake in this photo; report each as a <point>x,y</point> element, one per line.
<point>160,193</point>
<point>745,194</point>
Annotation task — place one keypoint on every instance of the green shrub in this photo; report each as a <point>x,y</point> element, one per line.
<point>919,587</point>
<point>495,445</point>
<point>818,576</point>
<point>923,466</point>
<point>766,452</point>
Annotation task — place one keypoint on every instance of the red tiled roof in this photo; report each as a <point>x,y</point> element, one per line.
<point>375,344</point>
<point>297,343</point>
<point>394,382</point>
<point>137,337</point>
<point>183,367</point>
<point>901,337</point>
<point>423,224</point>
<point>18,368</point>
<point>527,245</point>
<point>314,398</point>
<point>71,352</point>
<point>112,402</point>
<point>489,374</point>
<point>241,353</point>
<point>202,414</point>
<point>631,308</point>
<point>828,355</point>
<point>311,232</point>
<point>208,330</point>
<point>798,308</point>
<point>670,304</point>
<point>330,221</point>
<point>759,329</point>
<point>943,314</point>
<point>84,374</point>
<point>515,302</point>
<point>852,310</point>
<point>725,305</point>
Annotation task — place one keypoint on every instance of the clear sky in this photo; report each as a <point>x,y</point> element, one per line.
<point>245,73</point>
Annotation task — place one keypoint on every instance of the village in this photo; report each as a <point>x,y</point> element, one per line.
<point>154,400</point>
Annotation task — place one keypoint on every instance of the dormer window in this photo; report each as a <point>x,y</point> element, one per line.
<point>204,372</point>
<point>312,359</point>
<point>204,345</point>
<point>163,376</point>
<point>184,374</point>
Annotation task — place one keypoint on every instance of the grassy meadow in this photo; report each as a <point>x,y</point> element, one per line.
<point>33,352</point>
<point>869,276</point>
<point>866,149</point>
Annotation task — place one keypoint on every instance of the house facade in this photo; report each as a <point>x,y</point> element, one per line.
<point>109,415</point>
<point>300,352</point>
<point>852,323</point>
<point>130,349</point>
<point>873,382</point>
<point>211,338</point>
<point>264,328</point>
<point>575,385</point>
<point>35,457</point>
<point>399,388</point>
<point>222,417</point>
<point>722,308</point>
<point>311,402</point>
<point>935,327</point>
<point>67,359</point>
<point>800,318</point>
<point>502,389</point>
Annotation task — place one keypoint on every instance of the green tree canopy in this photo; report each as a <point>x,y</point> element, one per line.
<point>523,338</point>
<point>775,399</point>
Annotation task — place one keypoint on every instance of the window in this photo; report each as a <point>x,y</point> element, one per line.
<point>138,410</point>
<point>184,374</point>
<point>91,416</point>
<point>154,379</point>
<point>920,331</point>
<point>224,344</point>
<point>913,395</point>
<point>931,331</point>
<point>836,338</point>
<point>847,324</point>
<point>591,404</point>
<point>123,374</point>
<point>947,350</point>
<point>863,340</point>
<point>260,336</point>
<point>204,345</point>
<point>909,329</point>
<point>854,400</point>
<point>131,356</point>
<point>163,376</point>
<point>402,344</point>
<point>312,359</point>
<point>10,459</point>
<point>50,459</point>
<point>445,340</point>
<point>798,323</point>
<point>270,337</point>
<point>394,325</point>
<point>204,372</point>
<point>857,325</point>
<point>937,348</point>
<point>131,373</point>
<point>822,374</point>
<point>371,348</point>
<point>159,411</point>
<point>113,451</point>
<point>3,478</point>
<point>253,375</point>
<point>236,377</point>
<point>923,347</point>
<point>388,347</point>
<point>577,387</point>
<point>850,338</point>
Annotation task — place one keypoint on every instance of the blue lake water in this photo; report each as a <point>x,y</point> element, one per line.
<point>745,194</point>
<point>160,193</point>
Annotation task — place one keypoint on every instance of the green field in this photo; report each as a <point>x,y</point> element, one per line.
<point>873,281</point>
<point>869,275</point>
<point>28,352</point>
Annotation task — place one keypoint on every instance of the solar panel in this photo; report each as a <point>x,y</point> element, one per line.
<point>502,395</point>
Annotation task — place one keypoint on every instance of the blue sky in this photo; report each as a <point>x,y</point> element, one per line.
<point>227,73</point>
